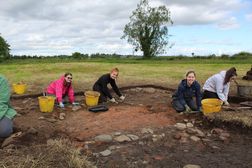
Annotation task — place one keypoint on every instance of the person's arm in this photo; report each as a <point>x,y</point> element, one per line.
<point>58,90</point>
<point>4,97</point>
<point>219,89</point>
<point>71,94</point>
<point>226,91</point>
<point>115,88</point>
<point>198,95</point>
<point>180,94</point>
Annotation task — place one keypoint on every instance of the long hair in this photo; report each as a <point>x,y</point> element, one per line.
<point>68,73</point>
<point>189,72</point>
<point>66,83</point>
<point>229,74</point>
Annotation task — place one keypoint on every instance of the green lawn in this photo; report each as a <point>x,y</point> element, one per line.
<point>160,72</point>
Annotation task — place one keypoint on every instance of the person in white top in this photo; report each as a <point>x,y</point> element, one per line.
<point>217,86</point>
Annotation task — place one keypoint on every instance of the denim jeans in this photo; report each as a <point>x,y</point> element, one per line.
<point>6,127</point>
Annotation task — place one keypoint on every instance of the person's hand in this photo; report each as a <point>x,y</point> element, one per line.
<point>122,98</point>
<point>61,105</point>
<point>187,109</point>
<point>113,100</point>
<point>75,103</point>
<point>225,103</point>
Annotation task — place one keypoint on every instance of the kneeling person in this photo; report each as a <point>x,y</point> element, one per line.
<point>182,100</point>
<point>101,86</point>
<point>7,113</point>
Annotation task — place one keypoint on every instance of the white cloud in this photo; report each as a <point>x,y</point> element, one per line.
<point>90,26</point>
<point>230,23</point>
<point>249,17</point>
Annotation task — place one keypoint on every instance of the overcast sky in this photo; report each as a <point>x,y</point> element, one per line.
<point>54,27</point>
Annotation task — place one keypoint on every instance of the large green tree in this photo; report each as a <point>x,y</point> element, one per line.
<point>4,49</point>
<point>147,30</point>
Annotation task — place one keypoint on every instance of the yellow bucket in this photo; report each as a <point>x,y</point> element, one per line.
<point>19,88</point>
<point>46,103</point>
<point>211,105</point>
<point>92,98</point>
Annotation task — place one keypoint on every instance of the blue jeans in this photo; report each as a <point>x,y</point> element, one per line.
<point>6,127</point>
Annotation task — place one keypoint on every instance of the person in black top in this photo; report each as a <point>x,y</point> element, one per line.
<point>182,100</point>
<point>101,86</point>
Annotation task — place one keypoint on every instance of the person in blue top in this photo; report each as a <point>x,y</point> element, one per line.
<point>182,99</point>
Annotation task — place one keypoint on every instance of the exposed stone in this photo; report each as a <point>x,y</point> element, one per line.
<point>147,130</point>
<point>103,138</point>
<point>191,166</point>
<point>180,126</point>
<point>113,147</point>
<point>117,133</point>
<point>62,116</point>
<point>215,147</point>
<point>149,90</point>
<point>206,140</point>
<point>133,137</point>
<point>105,153</point>
<point>225,134</point>
<point>189,125</point>
<point>195,138</point>
<point>200,133</point>
<point>41,118</point>
<point>138,89</point>
<point>191,131</point>
<point>154,139</point>
<point>141,143</point>
<point>122,138</point>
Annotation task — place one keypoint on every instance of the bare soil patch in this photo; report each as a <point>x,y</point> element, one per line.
<point>144,108</point>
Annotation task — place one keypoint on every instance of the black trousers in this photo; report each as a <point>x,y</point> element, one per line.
<point>103,97</point>
<point>208,94</point>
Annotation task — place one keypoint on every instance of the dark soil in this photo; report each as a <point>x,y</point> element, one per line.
<point>142,108</point>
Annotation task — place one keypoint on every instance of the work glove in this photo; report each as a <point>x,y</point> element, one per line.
<point>122,98</point>
<point>75,103</point>
<point>61,105</point>
<point>113,100</point>
<point>225,103</point>
<point>187,109</point>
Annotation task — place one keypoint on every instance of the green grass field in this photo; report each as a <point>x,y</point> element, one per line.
<point>39,73</point>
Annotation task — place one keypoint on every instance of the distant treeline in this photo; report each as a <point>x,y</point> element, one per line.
<point>242,57</point>
<point>77,55</point>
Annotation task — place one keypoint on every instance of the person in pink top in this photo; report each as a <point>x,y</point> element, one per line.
<point>61,88</point>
